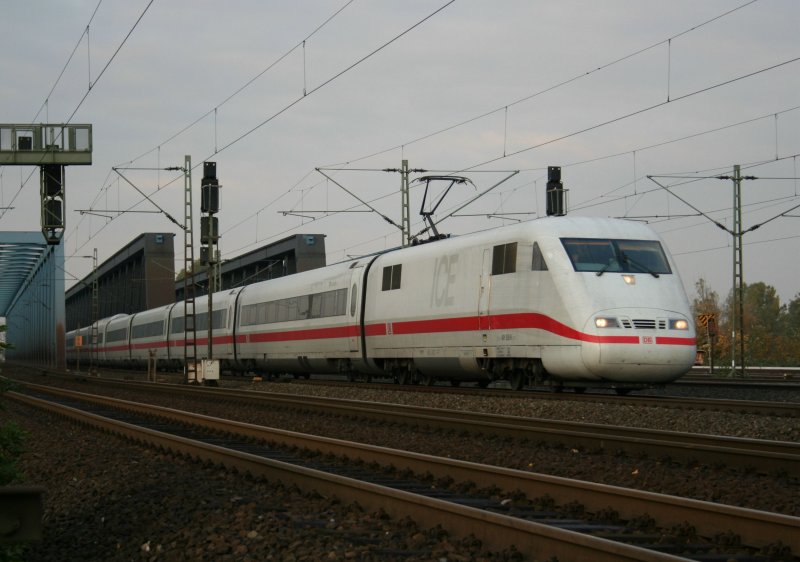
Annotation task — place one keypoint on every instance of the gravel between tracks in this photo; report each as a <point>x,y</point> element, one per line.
<point>108,500</point>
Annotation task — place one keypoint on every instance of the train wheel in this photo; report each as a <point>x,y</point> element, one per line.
<point>579,389</point>
<point>483,383</point>
<point>428,380</point>
<point>517,379</point>
<point>405,377</point>
<point>622,391</point>
<point>455,383</point>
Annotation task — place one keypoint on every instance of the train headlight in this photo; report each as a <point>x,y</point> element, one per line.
<point>678,324</point>
<point>606,322</point>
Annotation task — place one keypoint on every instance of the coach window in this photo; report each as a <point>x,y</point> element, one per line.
<point>149,330</point>
<point>391,277</point>
<point>282,310</point>
<point>219,318</point>
<point>117,335</point>
<point>292,310</point>
<point>538,259</point>
<point>504,259</point>
<point>303,306</point>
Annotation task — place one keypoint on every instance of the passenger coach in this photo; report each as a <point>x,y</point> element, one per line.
<point>571,301</point>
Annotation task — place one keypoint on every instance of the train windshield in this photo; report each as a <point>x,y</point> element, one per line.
<point>616,256</point>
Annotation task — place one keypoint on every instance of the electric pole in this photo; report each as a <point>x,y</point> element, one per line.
<point>738,275</point>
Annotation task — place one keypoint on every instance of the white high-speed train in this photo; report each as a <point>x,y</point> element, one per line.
<point>573,301</point>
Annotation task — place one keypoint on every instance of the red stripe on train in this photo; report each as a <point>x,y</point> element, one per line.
<point>529,320</point>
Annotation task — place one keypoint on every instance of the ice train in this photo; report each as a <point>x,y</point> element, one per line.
<point>569,301</point>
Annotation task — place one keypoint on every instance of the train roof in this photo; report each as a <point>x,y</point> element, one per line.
<point>537,229</point>
<point>589,227</point>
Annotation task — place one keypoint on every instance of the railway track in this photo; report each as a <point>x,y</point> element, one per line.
<point>537,529</point>
<point>789,409</point>
<point>763,456</point>
<point>753,374</point>
<point>761,407</point>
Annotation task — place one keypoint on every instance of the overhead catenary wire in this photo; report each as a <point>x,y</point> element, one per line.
<point>331,79</point>
<point>532,95</point>
<point>236,92</point>
<point>336,76</point>
<point>636,112</point>
<point>89,89</point>
<point>248,83</point>
<point>631,114</point>
<point>66,64</point>
<point>505,106</point>
<point>548,89</point>
<point>619,118</point>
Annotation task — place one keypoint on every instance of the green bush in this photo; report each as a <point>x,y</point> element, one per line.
<point>12,440</point>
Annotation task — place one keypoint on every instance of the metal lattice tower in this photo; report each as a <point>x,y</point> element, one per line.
<point>738,275</point>
<point>189,326</point>
<point>95,315</point>
<point>406,212</point>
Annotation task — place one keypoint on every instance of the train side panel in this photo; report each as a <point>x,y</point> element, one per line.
<point>422,310</point>
<point>471,308</point>
<point>510,300</point>
<point>223,348</point>
<point>305,323</point>
<point>116,346</point>
<point>571,298</point>
<point>149,336</point>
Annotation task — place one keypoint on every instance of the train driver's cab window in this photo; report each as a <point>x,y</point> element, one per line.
<point>538,263</point>
<point>391,277</point>
<point>616,256</point>
<point>504,259</point>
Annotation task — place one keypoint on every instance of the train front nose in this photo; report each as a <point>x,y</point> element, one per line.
<point>626,343</point>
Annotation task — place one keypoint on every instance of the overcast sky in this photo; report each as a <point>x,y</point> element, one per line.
<point>613,91</point>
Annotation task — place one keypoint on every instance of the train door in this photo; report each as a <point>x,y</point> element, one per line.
<point>354,308</point>
<point>485,295</point>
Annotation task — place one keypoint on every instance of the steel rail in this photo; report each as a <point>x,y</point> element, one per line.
<point>755,528</point>
<point>764,456</point>
<point>496,531</point>
<point>781,409</point>
<point>761,407</point>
